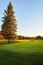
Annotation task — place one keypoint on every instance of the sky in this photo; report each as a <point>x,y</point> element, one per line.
<point>29,16</point>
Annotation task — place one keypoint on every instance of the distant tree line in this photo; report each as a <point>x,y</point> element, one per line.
<point>19,37</point>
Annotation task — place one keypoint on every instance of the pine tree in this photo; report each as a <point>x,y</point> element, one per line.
<point>9,25</point>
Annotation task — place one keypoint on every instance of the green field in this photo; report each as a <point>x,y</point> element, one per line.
<point>22,53</point>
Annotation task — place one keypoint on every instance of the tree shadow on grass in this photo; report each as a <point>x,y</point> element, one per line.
<point>6,42</point>
<point>14,58</point>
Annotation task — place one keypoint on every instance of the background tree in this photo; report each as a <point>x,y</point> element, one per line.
<point>9,23</point>
<point>39,38</point>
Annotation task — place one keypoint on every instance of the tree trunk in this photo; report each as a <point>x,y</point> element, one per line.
<point>8,40</point>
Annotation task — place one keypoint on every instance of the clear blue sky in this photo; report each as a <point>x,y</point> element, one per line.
<point>29,16</point>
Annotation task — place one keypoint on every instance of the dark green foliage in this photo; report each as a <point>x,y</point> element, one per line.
<point>39,38</point>
<point>9,23</point>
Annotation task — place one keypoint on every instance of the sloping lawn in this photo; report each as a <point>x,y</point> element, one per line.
<point>24,53</point>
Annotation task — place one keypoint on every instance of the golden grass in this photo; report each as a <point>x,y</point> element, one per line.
<point>22,40</point>
<point>31,40</point>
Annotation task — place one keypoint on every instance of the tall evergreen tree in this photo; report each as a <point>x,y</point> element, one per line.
<point>9,23</point>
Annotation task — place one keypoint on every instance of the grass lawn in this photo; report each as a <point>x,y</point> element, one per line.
<point>22,53</point>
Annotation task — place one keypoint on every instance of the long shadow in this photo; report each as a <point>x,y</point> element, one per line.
<point>12,42</point>
<point>14,58</point>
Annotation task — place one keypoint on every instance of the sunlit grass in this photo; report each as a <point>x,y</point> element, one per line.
<point>22,53</point>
